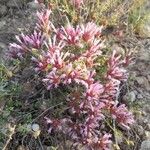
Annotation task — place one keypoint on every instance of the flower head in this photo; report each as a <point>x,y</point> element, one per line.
<point>104,142</point>
<point>94,90</point>
<point>70,34</point>
<point>52,80</point>
<point>44,23</point>
<point>122,115</point>
<point>115,69</point>
<point>15,51</point>
<point>90,30</point>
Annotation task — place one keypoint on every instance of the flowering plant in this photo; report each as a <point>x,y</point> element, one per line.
<point>68,55</point>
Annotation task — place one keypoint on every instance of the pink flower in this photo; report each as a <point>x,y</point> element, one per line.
<point>44,23</point>
<point>54,124</point>
<point>59,125</point>
<point>58,59</point>
<point>16,51</point>
<point>93,51</point>
<point>90,30</point>
<point>94,114</point>
<point>94,90</point>
<point>71,74</point>
<point>70,35</point>
<point>52,79</point>
<point>42,63</point>
<point>127,58</point>
<point>122,115</point>
<point>34,40</point>
<point>53,45</point>
<point>104,142</point>
<point>112,87</point>
<point>26,43</point>
<point>114,68</point>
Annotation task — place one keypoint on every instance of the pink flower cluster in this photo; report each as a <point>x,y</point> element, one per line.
<point>67,55</point>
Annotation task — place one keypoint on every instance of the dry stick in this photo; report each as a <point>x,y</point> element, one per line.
<point>12,131</point>
<point>40,143</point>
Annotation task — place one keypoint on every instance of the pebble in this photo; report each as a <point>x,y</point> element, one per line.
<point>139,96</point>
<point>145,145</point>
<point>21,147</point>
<point>35,127</point>
<point>148,77</point>
<point>35,6</point>
<point>131,96</point>
<point>148,126</point>
<point>3,10</point>
<point>144,56</point>
<point>140,80</point>
<point>2,23</point>
<point>2,46</point>
<point>147,135</point>
<point>143,81</point>
<point>140,130</point>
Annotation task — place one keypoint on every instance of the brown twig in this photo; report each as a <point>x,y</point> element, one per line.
<point>12,131</point>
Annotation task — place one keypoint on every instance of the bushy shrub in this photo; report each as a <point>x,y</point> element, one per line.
<point>106,12</point>
<point>71,56</point>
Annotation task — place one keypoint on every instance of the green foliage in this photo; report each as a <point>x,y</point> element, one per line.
<point>137,16</point>
<point>108,12</point>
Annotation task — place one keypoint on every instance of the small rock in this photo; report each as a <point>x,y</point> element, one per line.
<point>2,23</point>
<point>35,6</point>
<point>139,96</point>
<point>148,126</point>
<point>147,134</point>
<point>35,127</point>
<point>140,130</point>
<point>143,81</point>
<point>3,10</point>
<point>131,96</point>
<point>15,3</point>
<point>147,85</point>
<point>48,148</point>
<point>140,80</point>
<point>145,120</point>
<point>148,77</point>
<point>2,47</point>
<point>21,147</point>
<point>147,109</point>
<point>145,145</point>
<point>144,56</point>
